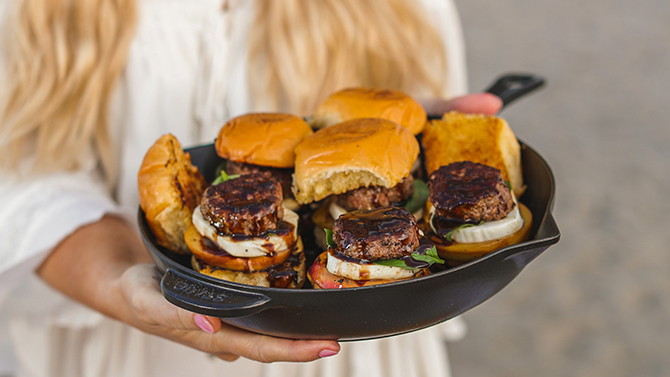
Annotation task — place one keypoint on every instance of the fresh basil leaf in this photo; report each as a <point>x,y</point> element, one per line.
<point>223,177</point>
<point>419,196</point>
<point>433,253</point>
<point>394,263</point>
<point>329,237</point>
<point>430,257</point>
<point>508,184</point>
<point>462,226</point>
<point>220,167</point>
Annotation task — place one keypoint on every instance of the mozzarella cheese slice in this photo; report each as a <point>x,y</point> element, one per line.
<point>358,271</point>
<point>488,230</point>
<point>252,246</point>
<point>335,210</point>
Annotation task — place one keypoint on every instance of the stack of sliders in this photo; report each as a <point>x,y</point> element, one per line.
<point>475,177</point>
<point>359,171</point>
<point>239,228</point>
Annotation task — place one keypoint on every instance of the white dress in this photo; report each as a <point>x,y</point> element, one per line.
<point>184,59</point>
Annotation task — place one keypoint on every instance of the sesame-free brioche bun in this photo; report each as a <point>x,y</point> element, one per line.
<point>478,138</point>
<point>352,103</point>
<point>265,139</point>
<point>352,154</point>
<point>169,188</point>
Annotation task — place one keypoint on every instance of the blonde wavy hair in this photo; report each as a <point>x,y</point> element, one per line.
<point>375,43</point>
<point>63,58</point>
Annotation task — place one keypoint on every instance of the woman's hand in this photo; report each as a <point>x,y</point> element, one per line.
<point>479,103</point>
<point>105,266</point>
<point>151,313</point>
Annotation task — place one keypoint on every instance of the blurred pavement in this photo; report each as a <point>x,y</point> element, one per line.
<point>597,303</point>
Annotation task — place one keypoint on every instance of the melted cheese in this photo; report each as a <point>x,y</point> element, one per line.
<point>246,248</point>
<point>488,230</point>
<point>335,210</point>
<point>358,271</point>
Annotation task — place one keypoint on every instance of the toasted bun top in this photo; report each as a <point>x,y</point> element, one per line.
<point>266,139</point>
<point>352,154</point>
<point>478,138</point>
<point>354,103</point>
<point>169,188</point>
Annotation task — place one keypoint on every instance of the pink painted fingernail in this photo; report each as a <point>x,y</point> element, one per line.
<point>327,352</point>
<point>202,322</point>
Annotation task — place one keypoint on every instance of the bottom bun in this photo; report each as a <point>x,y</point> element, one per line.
<point>321,278</point>
<point>458,253</point>
<point>288,274</point>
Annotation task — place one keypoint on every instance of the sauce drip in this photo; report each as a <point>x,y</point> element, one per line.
<point>281,275</point>
<point>445,225</point>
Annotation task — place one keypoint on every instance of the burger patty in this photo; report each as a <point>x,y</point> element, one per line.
<point>248,205</point>
<point>376,196</point>
<point>378,234</point>
<point>469,191</point>
<point>283,175</point>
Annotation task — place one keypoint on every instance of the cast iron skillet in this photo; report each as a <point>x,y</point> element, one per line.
<point>364,312</point>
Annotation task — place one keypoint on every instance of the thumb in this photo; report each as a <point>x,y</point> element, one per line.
<point>210,325</point>
<point>477,103</point>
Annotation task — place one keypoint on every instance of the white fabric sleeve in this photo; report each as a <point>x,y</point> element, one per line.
<point>444,17</point>
<point>40,212</point>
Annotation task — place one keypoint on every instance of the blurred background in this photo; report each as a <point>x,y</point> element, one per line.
<point>597,303</point>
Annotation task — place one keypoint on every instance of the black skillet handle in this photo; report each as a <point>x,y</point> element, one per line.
<point>512,86</point>
<point>201,297</point>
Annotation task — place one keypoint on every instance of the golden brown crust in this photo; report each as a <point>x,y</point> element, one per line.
<point>352,103</point>
<point>458,253</point>
<point>259,278</point>
<point>478,138</point>
<point>169,188</point>
<point>266,139</point>
<point>352,154</point>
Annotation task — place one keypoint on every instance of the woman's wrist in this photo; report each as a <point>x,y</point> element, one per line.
<point>89,264</point>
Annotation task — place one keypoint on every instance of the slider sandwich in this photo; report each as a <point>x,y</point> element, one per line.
<point>263,143</point>
<point>475,180</point>
<point>369,247</point>
<point>241,232</point>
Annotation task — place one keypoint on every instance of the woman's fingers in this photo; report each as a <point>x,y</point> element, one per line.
<point>477,103</point>
<point>268,349</point>
<point>227,356</point>
<point>207,324</point>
